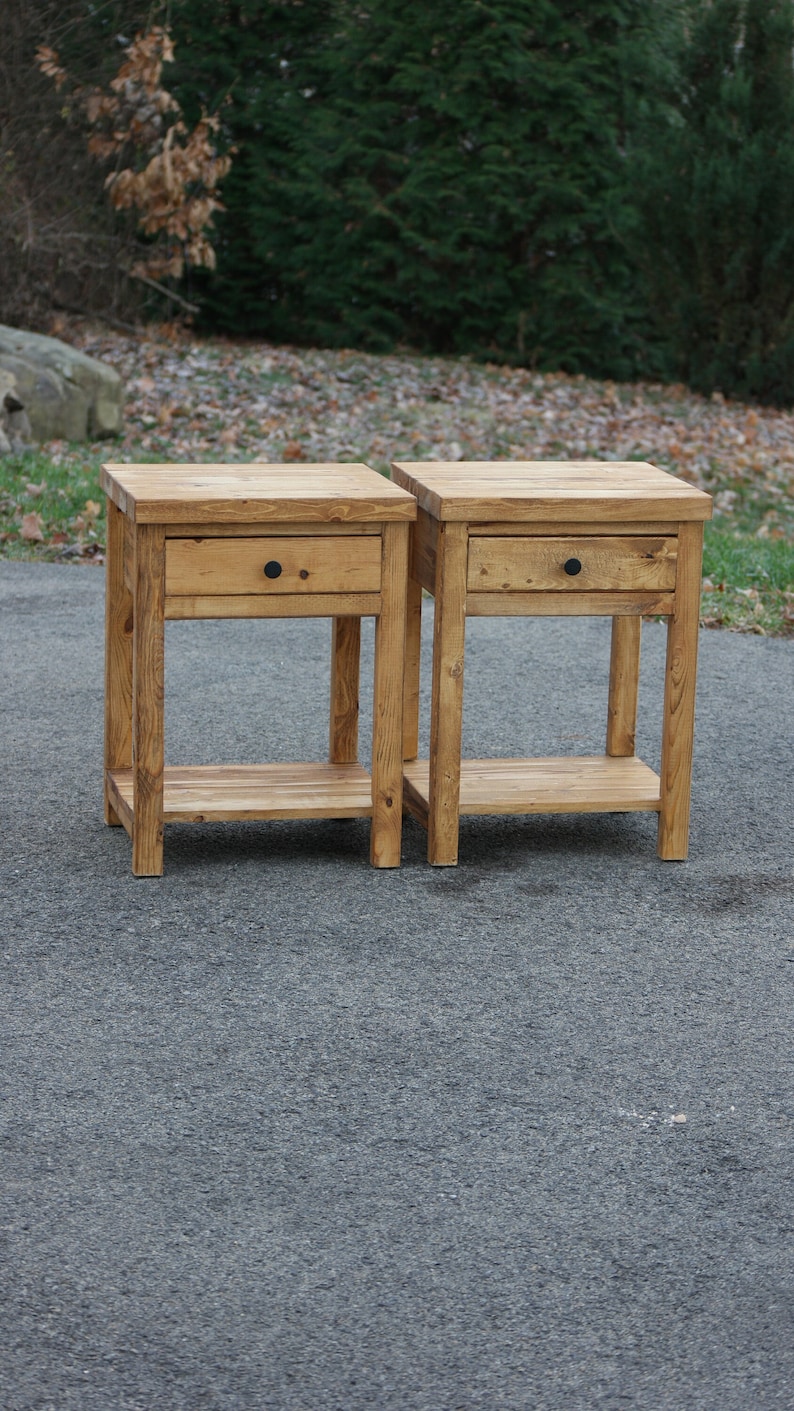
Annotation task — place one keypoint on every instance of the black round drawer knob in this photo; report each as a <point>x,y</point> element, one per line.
<point>273,569</point>
<point>571,566</point>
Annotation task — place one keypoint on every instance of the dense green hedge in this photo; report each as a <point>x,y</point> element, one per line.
<point>604,188</point>
<point>714,185</point>
<point>445,175</point>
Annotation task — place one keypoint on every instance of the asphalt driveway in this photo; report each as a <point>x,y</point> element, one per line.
<point>281,1131</point>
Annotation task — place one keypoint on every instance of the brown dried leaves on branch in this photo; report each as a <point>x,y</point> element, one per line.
<point>175,195</point>
<point>168,174</point>
<point>48,62</point>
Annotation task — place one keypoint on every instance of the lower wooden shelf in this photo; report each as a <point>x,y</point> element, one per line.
<point>222,792</point>
<point>571,784</point>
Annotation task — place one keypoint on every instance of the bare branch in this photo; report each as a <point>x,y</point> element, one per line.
<point>161,289</point>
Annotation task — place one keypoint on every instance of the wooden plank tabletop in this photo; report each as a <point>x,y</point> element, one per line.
<point>256,493</point>
<point>515,491</point>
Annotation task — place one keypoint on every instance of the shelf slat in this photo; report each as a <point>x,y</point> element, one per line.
<point>570,784</point>
<point>219,792</point>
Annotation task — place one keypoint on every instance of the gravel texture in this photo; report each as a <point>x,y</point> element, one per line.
<point>283,1133</point>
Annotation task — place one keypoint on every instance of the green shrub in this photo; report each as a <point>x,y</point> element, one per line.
<point>715,197</point>
<point>446,176</point>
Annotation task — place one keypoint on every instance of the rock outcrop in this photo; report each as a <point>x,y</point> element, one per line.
<point>65,394</point>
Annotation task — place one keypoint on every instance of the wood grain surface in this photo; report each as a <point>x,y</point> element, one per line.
<point>679,699</point>
<point>345,658</point>
<point>446,711</point>
<point>118,657</point>
<point>218,792</point>
<point>200,494</point>
<point>387,702</point>
<point>148,667</point>
<point>554,491</point>
<point>515,565</point>
<point>201,567</point>
<point>570,784</point>
<point>624,679</point>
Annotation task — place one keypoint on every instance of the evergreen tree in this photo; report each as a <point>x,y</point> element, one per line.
<point>447,175</point>
<point>715,191</point>
<point>251,61</point>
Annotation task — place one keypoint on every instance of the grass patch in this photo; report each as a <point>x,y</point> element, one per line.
<point>51,507</point>
<point>748,582</point>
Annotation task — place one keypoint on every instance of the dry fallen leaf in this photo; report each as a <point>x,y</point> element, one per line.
<point>32,526</point>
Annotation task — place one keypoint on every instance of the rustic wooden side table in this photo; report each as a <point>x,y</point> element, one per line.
<point>553,538</point>
<point>209,541</point>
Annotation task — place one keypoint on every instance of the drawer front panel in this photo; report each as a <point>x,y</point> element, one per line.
<point>575,564</point>
<point>294,565</point>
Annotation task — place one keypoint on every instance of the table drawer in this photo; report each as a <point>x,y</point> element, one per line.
<point>299,564</point>
<point>573,564</point>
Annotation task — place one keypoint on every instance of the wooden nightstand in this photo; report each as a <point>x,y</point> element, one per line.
<point>553,538</point>
<point>209,541</point>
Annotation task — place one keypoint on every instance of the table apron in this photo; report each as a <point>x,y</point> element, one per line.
<point>568,604</point>
<point>182,608</point>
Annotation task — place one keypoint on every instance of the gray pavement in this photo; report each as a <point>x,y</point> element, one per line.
<point>281,1131</point>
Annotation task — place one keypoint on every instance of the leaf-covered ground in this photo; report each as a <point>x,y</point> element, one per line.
<point>212,399</point>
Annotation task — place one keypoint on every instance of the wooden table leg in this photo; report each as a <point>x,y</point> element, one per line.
<point>345,657</point>
<point>118,657</point>
<point>446,712</point>
<point>413,651</point>
<point>624,680</point>
<point>387,705</point>
<point>679,697</point>
<point>147,700</point>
